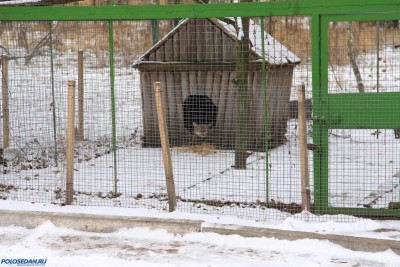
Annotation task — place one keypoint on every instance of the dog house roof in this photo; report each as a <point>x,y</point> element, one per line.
<point>275,52</point>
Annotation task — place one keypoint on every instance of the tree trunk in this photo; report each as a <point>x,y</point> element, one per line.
<point>242,97</point>
<point>352,57</point>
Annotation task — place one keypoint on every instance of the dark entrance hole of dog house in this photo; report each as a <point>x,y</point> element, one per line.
<point>199,110</point>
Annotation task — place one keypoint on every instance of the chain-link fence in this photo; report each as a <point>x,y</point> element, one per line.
<point>364,66</point>
<point>229,88</point>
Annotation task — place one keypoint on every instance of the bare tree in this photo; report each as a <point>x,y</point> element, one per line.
<point>242,26</point>
<point>352,56</point>
<point>242,96</point>
<point>22,40</point>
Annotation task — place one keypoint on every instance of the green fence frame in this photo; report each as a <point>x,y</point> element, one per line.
<point>346,111</point>
<point>148,12</point>
<point>328,109</point>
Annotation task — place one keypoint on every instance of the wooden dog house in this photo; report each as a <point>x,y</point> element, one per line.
<point>198,58</point>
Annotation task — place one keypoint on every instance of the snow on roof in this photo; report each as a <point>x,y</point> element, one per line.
<point>34,2</point>
<point>275,52</point>
<point>16,2</point>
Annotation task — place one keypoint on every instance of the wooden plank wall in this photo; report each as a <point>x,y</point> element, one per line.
<point>220,88</point>
<point>147,106</point>
<point>200,41</point>
<point>278,95</point>
<point>197,41</point>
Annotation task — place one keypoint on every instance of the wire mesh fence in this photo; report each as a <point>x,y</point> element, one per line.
<point>231,108</point>
<point>363,163</point>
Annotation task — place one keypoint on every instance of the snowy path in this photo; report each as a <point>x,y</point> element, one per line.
<point>143,247</point>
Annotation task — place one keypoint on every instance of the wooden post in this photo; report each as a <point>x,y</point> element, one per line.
<point>70,143</point>
<point>305,180</point>
<point>162,124</point>
<point>81,135</point>
<point>6,111</point>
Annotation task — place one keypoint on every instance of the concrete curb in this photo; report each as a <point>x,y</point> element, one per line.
<point>350,242</point>
<point>106,224</point>
<point>95,223</point>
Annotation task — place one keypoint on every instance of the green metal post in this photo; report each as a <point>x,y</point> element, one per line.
<point>53,94</point>
<point>377,64</point>
<point>176,21</point>
<point>265,103</point>
<point>377,54</point>
<point>154,30</point>
<point>323,108</point>
<point>112,85</point>
<point>318,131</point>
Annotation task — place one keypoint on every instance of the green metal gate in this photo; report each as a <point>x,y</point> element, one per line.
<point>355,130</point>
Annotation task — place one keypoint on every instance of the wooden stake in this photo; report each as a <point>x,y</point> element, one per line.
<point>162,124</point>
<point>305,180</point>
<point>81,135</point>
<point>6,111</point>
<point>70,143</point>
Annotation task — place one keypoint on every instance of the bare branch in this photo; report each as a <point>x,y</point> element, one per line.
<point>334,75</point>
<point>35,51</point>
<point>5,50</point>
<point>352,57</point>
<point>43,42</point>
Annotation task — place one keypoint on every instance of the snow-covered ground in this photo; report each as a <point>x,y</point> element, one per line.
<point>143,247</point>
<point>362,168</point>
<point>63,247</point>
<point>362,164</point>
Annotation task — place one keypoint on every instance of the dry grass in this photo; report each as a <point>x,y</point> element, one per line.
<point>202,149</point>
<point>366,40</point>
<point>295,34</point>
<point>132,38</point>
<point>292,32</point>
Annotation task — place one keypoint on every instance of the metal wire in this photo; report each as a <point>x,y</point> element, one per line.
<point>233,152</point>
